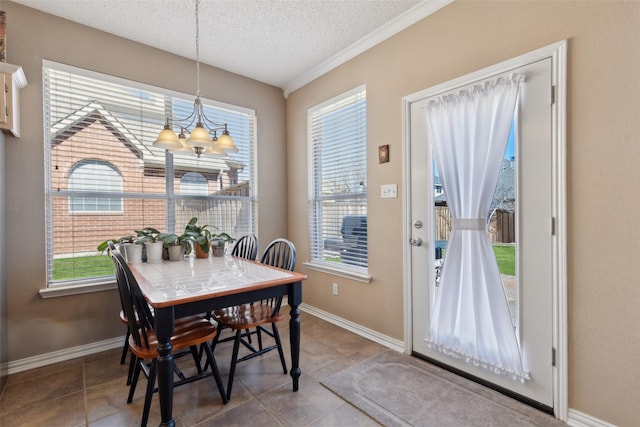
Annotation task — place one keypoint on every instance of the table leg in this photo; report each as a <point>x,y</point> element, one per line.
<point>295,298</point>
<point>164,330</point>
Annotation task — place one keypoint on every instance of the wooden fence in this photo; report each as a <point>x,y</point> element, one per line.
<point>502,228</point>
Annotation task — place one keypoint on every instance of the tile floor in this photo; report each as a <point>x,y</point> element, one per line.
<point>91,391</point>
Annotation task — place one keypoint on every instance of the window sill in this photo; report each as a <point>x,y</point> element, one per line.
<point>63,291</point>
<point>324,268</point>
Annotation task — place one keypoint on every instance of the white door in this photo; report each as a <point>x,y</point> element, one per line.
<point>534,259</point>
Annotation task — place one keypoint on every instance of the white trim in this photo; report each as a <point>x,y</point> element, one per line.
<point>410,17</point>
<point>558,53</point>
<point>406,231</point>
<point>578,419</point>
<point>361,277</point>
<point>13,367</point>
<point>63,291</point>
<point>367,333</point>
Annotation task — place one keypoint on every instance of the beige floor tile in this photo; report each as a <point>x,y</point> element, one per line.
<point>19,395</point>
<point>346,415</point>
<point>309,404</point>
<point>65,411</point>
<point>92,390</point>
<point>251,413</point>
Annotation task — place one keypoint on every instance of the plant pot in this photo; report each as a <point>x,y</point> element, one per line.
<point>133,253</point>
<point>199,252</point>
<point>154,251</point>
<point>217,248</point>
<point>175,252</point>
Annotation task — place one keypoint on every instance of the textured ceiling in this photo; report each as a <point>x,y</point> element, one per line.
<point>285,43</point>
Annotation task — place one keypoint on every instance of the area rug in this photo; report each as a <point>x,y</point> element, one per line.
<point>400,390</point>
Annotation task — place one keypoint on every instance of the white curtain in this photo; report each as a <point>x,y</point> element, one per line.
<point>470,316</point>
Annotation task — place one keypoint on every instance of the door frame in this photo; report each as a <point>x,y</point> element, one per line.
<point>558,53</point>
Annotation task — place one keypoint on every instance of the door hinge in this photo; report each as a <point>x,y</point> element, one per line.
<point>553,356</point>
<point>553,95</point>
<point>553,226</point>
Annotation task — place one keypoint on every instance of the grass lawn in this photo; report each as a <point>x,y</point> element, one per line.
<point>81,267</point>
<point>506,256</point>
<point>101,265</point>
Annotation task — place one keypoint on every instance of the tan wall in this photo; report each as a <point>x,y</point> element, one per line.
<point>603,148</point>
<point>38,326</point>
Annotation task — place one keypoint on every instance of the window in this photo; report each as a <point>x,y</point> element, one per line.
<point>194,184</point>
<point>105,179</point>
<point>337,138</point>
<point>90,176</point>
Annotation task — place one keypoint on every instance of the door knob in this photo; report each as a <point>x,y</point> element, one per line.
<point>415,241</point>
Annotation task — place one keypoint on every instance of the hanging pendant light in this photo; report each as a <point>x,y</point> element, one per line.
<point>201,138</point>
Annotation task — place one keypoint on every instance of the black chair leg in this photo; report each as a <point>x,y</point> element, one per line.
<point>132,364</point>
<point>151,382</point>
<point>125,348</point>
<point>234,359</point>
<point>259,334</point>
<point>197,357</point>
<point>276,336</point>
<point>216,373</point>
<point>134,379</point>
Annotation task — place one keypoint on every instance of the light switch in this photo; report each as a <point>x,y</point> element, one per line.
<point>389,191</point>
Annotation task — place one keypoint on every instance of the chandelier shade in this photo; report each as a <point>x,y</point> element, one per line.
<point>167,139</point>
<point>201,139</point>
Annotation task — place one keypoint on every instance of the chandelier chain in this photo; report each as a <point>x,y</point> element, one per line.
<point>198,48</point>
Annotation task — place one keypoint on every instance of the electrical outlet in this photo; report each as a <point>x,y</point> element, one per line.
<point>335,289</point>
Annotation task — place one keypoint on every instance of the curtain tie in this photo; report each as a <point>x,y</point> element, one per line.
<point>469,223</point>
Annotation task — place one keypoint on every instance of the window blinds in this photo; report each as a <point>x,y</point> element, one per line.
<point>104,178</point>
<point>337,132</point>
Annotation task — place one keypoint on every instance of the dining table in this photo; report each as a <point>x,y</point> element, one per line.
<point>177,289</point>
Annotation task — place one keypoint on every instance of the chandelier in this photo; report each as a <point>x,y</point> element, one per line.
<point>202,139</point>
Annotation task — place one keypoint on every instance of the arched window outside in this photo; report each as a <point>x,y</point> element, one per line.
<point>194,184</point>
<point>95,176</point>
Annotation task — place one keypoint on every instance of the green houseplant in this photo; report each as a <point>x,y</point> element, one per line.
<point>131,247</point>
<point>153,242</point>
<point>200,235</point>
<point>203,239</point>
<point>218,242</point>
<point>176,245</point>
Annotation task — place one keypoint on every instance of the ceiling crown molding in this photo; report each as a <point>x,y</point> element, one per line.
<point>410,17</point>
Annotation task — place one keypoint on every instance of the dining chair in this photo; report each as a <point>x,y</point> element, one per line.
<point>123,318</point>
<point>190,332</point>
<point>279,253</point>
<point>246,247</point>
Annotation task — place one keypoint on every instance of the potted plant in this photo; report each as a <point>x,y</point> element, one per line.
<point>152,239</point>
<point>176,245</point>
<point>131,247</point>
<point>200,235</point>
<point>218,242</point>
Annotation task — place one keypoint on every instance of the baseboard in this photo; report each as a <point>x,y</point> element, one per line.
<point>578,419</point>
<point>370,334</point>
<point>40,360</point>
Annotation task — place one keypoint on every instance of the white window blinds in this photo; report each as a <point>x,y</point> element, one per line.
<point>337,133</point>
<point>104,178</point>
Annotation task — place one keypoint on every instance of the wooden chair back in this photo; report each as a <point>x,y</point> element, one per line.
<point>280,253</point>
<point>133,302</point>
<point>246,247</point>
